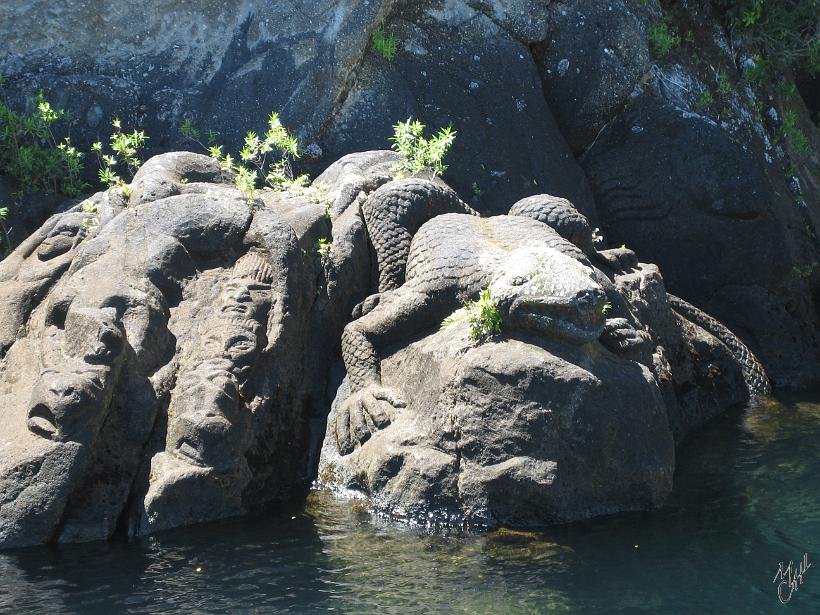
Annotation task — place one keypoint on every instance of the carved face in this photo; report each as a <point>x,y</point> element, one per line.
<point>69,398</point>
<point>62,238</point>
<point>207,425</point>
<point>66,404</point>
<point>209,421</point>
<point>543,290</point>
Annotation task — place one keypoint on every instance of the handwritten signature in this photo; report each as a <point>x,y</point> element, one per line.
<point>790,578</point>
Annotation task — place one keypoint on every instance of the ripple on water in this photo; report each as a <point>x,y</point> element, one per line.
<point>746,497</point>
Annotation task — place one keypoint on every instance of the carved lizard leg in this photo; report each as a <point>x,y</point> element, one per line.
<point>398,315</point>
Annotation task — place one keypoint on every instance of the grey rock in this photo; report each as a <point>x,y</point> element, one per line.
<point>520,432</point>
<point>595,55</point>
<point>155,356</point>
<point>668,191</point>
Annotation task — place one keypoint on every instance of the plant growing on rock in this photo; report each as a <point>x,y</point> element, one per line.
<point>786,32</point>
<point>267,159</point>
<point>419,154</point>
<point>324,248</point>
<point>33,152</point>
<point>792,133</point>
<point>481,316</point>
<point>126,148</point>
<point>661,39</point>
<point>387,44</point>
<point>706,100</point>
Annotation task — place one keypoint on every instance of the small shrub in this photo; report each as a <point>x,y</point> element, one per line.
<point>421,155</point>
<point>706,100</point>
<point>267,159</point>
<point>126,148</point>
<point>787,90</point>
<point>724,85</point>
<point>786,31</point>
<point>324,248</point>
<point>661,39</point>
<point>796,137</point>
<point>34,151</point>
<point>757,70</point>
<point>385,43</point>
<point>481,315</point>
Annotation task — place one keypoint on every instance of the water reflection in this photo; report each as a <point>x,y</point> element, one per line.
<point>746,497</point>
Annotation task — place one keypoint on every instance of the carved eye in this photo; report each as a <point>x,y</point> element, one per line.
<point>518,281</point>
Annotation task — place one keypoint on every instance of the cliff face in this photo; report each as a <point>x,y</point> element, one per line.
<point>570,98</point>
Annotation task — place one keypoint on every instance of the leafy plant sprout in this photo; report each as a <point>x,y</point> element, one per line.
<point>267,158</point>
<point>33,153</point>
<point>386,44</point>
<point>324,248</point>
<point>482,316</point>
<point>661,39</point>
<point>126,147</point>
<point>419,154</point>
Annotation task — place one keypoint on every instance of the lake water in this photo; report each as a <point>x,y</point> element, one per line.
<point>747,497</point>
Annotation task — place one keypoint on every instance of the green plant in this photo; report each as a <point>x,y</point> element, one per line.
<point>724,85</point>
<point>787,90</point>
<point>606,309</point>
<point>792,133</point>
<point>4,214</point>
<point>805,272</point>
<point>126,148</point>
<point>706,100</point>
<point>482,316</point>
<point>784,31</point>
<point>267,159</point>
<point>34,152</point>
<point>662,39</point>
<point>324,248</point>
<point>421,155</point>
<point>757,70</point>
<point>385,43</point>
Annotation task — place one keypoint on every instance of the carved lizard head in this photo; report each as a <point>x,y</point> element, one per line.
<point>542,290</point>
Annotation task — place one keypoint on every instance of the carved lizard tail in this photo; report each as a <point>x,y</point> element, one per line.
<point>753,373</point>
<point>394,213</point>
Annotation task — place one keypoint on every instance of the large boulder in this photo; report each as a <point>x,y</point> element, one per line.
<point>518,432</point>
<point>159,353</point>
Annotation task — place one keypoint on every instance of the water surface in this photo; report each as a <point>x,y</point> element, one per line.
<point>747,496</point>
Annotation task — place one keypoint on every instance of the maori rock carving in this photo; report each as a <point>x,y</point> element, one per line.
<point>561,215</point>
<point>453,256</point>
<point>458,255</point>
<point>162,334</point>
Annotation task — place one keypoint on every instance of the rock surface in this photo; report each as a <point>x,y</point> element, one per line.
<point>525,430</point>
<point>528,86</point>
<point>165,358</point>
<point>157,354</point>
<point>514,432</point>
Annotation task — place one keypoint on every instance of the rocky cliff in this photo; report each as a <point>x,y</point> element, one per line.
<point>570,98</point>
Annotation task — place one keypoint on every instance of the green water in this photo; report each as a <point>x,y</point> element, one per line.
<point>747,496</point>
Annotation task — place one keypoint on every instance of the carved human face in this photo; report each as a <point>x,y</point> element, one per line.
<point>69,399</point>
<point>67,233</point>
<point>207,426</point>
